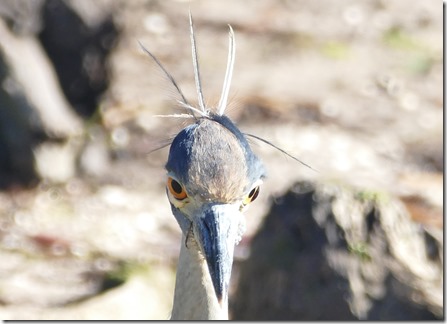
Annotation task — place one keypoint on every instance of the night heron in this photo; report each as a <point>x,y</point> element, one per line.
<point>212,176</point>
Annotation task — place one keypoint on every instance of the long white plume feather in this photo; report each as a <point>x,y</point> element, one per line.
<point>228,73</point>
<point>195,63</point>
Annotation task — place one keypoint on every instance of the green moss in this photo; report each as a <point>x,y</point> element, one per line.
<point>335,50</point>
<point>398,39</point>
<point>360,249</point>
<point>418,56</point>
<point>372,196</point>
<point>419,63</point>
<point>121,273</point>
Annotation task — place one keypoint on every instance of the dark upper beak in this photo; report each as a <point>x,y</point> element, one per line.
<point>216,234</point>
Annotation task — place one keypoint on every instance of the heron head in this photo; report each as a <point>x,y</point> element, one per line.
<point>213,175</point>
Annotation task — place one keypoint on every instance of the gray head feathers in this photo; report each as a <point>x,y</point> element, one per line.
<point>212,159</point>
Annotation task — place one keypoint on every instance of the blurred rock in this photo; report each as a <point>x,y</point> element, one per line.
<point>94,159</point>
<point>53,62</point>
<point>19,126</point>
<point>32,70</point>
<point>329,252</point>
<point>56,162</point>
<point>77,37</point>
<point>22,16</point>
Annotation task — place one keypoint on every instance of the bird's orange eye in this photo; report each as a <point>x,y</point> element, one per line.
<point>251,196</point>
<point>176,189</point>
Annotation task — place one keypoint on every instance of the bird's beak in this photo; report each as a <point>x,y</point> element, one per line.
<point>216,232</point>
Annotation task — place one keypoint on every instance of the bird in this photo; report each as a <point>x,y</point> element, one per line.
<point>212,177</point>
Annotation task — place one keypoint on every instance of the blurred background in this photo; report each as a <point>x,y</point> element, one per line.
<point>352,88</point>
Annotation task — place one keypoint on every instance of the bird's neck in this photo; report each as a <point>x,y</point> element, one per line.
<point>194,296</point>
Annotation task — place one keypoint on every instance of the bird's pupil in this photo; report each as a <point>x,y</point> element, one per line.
<point>253,193</point>
<point>176,187</point>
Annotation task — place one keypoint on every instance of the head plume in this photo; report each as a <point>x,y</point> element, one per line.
<point>202,111</point>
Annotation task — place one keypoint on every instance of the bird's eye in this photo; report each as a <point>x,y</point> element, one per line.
<point>176,189</point>
<point>251,196</point>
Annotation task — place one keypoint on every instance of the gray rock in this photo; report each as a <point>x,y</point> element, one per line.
<point>328,252</point>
